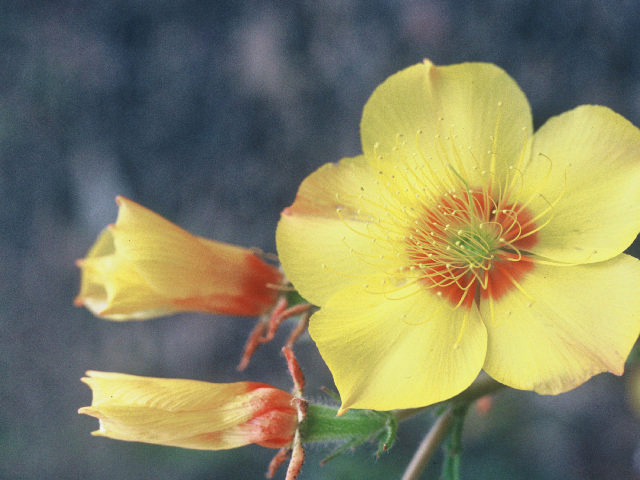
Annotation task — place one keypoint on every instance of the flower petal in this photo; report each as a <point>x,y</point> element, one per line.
<point>398,350</point>
<point>319,247</point>
<point>471,117</point>
<point>586,164</point>
<point>578,321</point>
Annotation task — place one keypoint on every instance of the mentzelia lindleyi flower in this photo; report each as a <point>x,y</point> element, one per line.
<point>463,241</point>
<point>190,413</point>
<point>145,266</point>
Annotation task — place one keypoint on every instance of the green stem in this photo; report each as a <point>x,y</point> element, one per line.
<point>322,425</point>
<point>453,416</point>
<point>429,445</point>
<point>451,466</point>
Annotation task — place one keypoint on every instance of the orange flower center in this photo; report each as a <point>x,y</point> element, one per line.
<point>472,246</point>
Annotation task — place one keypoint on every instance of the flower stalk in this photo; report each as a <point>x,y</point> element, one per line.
<point>451,420</point>
<point>453,445</point>
<point>429,445</point>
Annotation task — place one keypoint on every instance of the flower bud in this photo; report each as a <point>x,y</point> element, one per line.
<point>144,266</point>
<point>190,413</point>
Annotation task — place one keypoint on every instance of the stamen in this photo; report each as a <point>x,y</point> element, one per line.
<point>457,257</point>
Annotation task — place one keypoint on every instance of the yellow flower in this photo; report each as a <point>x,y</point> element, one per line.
<point>145,266</point>
<point>460,241</point>
<point>190,413</point>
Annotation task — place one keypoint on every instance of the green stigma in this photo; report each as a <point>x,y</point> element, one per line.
<point>474,246</point>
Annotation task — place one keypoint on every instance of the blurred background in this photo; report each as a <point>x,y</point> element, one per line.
<point>211,113</point>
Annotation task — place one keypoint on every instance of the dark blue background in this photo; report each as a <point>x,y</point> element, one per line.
<point>211,113</point>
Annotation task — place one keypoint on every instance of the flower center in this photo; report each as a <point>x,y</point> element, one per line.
<point>472,246</point>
